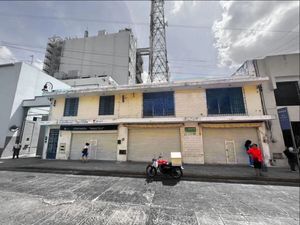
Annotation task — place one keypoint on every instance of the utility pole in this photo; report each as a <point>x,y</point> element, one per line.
<point>158,63</point>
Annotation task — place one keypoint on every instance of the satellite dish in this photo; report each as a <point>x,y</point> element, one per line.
<point>13,128</point>
<point>48,87</point>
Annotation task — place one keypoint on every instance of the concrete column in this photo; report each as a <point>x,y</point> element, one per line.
<point>122,148</point>
<point>192,144</point>
<point>262,133</point>
<point>47,131</point>
<point>64,139</point>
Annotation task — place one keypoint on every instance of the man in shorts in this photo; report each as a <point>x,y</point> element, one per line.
<point>85,152</point>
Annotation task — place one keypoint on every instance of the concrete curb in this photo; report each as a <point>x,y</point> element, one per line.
<point>186,177</point>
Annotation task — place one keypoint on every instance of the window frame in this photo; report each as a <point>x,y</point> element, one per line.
<point>287,100</point>
<point>168,109</point>
<point>223,99</point>
<point>111,112</point>
<point>67,111</point>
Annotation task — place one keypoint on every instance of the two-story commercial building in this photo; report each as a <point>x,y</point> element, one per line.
<point>207,121</point>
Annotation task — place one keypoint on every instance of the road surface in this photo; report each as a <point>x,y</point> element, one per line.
<point>40,198</point>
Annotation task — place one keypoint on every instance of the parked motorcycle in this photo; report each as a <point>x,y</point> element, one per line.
<point>161,166</point>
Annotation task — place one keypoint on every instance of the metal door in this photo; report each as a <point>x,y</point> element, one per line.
<point>52,144</point>
<point>103,146</point>
<point>148,143</point>
<point>230,151</point>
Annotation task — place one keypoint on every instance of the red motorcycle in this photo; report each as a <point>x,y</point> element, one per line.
<point>164,167</point>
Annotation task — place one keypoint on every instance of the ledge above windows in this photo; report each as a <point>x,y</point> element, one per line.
<point>207,119</point>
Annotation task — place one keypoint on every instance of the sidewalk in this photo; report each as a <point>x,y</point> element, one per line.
<point>215,173</point>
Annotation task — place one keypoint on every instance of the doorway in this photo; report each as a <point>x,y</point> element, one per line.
<point>52,144</point>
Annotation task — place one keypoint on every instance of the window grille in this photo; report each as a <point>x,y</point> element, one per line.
<point>225,101</point>
<point>107,105</point>
<point>71,106</point>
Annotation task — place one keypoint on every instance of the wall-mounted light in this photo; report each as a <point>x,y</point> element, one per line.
<point>13,128</point>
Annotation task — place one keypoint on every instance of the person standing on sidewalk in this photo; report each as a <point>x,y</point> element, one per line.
<point>85,152</point>
<point>16,150</point>
<point>247,147</point>
<point>256,154</point>
<point>292,158</point>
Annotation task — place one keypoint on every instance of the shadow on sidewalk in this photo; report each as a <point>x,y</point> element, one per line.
<point>165,180</point>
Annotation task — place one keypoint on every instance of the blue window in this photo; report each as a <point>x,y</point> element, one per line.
<point>107,105</point>
<point>225,101</point>
<point>71,106</point>
<point>158,104</point>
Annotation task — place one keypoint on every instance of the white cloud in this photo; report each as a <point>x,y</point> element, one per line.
<point>177,6</point>
<point>250,30</point>
<point>6,56</point>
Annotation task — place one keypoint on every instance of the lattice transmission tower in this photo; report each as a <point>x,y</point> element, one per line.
<point>158,63</point>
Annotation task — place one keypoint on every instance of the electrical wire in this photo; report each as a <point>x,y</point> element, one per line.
<point>5,14</point>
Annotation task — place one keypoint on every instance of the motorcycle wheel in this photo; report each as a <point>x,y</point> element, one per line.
<point>176,172</point>
<point>151,171</point>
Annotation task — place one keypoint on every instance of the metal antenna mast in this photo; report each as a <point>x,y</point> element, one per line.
<point>158,63</point>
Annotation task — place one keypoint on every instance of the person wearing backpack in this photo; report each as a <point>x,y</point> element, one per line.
<point>85,152</point>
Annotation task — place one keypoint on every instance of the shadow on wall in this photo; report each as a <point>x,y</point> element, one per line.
<point>8,147</point>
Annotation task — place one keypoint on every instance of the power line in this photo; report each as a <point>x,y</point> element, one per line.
<point>23,46</point>
<point>170,25</point>
<point>30,50</point>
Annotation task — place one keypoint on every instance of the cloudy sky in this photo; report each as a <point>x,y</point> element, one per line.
<point>204,38</point>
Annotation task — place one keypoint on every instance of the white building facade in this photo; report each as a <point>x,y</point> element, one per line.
<point>18,82</point>
<point>279,93</point>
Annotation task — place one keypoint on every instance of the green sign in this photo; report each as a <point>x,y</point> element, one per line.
<point>190,130</point>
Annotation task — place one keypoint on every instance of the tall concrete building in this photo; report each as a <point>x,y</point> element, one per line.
<point>280,97</point>
<point>102,56</point>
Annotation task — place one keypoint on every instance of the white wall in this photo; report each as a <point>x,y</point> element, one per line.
<point>9,76</point>
<point>19,82</point>
<point>278,69</point>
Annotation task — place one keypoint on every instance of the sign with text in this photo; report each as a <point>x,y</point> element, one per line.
<point>85,128</point>
<point>284,119</point>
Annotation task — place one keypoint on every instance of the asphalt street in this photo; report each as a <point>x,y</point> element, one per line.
<point>40,198</point>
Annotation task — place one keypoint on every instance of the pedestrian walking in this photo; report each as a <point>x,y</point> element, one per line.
<point>256,155</point>
<point>247,147</point>
<point>16,149</point>
<point>292,158</point>
<point>85,152</point>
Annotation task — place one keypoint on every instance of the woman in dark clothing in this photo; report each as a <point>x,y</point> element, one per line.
<point>85,152</point>
<point>292,158</point>
<point>247,147</point>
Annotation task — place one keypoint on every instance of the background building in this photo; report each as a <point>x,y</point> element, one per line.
<point>18,82</point>
<point>207,121</point>
<point>282,91</point>
<point>105,55</point>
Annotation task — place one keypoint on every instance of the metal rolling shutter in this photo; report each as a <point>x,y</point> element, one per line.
<point>103,146</point>
<point>214,143</point>
<point>146,143</point>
